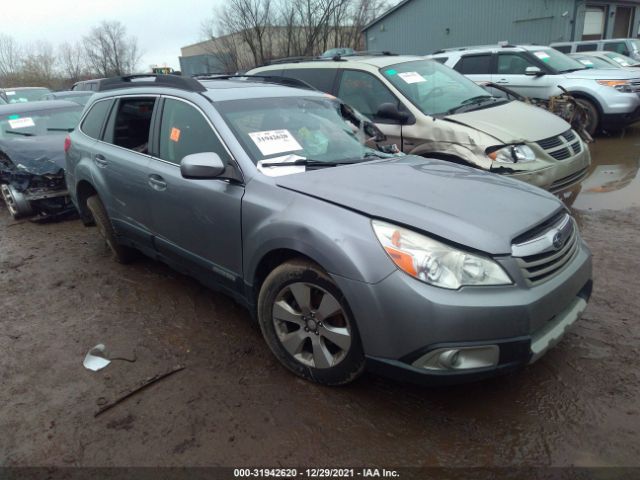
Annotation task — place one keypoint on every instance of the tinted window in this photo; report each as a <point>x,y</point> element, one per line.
<point>92,123</point>
<point>364,92</point>
<point>132,124</point>
<point>512,64</point>
<point>440,59</point>
<point>474,64</point>
<point>321,78</point>
<point>618,47</point>
<point>185,131</point>
<point>563,48</point>
<point>587,47</point>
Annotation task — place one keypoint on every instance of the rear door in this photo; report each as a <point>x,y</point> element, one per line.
<point>122,160</point>
<point>196,223</point>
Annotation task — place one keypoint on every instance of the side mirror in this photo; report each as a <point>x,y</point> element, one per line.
<point>202,165</point>
<point>533,72</point>
<point>390,111</point>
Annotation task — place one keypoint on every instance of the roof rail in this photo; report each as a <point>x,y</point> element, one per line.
<point>286,81</point>
<point>156,80</point>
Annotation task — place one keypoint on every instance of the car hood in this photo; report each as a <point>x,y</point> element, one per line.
<point>513,122</point>
<point>476,209</point>
<point>602,74</point>
<point>39,155</point>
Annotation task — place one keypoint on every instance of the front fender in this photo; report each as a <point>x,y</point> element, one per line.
<point>341,241</point>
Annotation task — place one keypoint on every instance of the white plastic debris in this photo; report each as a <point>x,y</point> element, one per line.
<point>96,358</point>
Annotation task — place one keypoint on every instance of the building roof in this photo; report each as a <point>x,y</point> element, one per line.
<point>385,14</point>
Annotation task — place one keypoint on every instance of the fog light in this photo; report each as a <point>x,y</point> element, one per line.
<point>459,358</point>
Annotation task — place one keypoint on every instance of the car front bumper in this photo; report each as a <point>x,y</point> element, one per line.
<point>402,320</point>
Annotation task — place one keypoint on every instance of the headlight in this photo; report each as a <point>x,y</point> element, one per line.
<point>434,262</point>
<point>513,154</point>
<point>620,85</point>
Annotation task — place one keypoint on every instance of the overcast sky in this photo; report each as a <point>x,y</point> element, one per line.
<point>161,26</point>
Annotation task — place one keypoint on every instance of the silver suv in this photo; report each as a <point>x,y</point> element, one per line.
<point>345,255</point>
<point>610,96</point>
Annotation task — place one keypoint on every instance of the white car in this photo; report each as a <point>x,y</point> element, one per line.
<point>610,96</point>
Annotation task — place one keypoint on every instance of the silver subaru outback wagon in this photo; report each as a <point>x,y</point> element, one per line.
<point>348,257</point>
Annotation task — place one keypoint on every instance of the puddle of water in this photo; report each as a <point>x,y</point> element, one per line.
<point>613,181</point>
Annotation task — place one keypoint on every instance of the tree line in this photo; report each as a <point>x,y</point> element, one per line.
<point>106,51</point>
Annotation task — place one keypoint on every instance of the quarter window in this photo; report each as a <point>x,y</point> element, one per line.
<point>587,47</point>
<point>474,65</point>
<point>185,131</point>
<point>92,123</point>
<point>563,48</point>
<point>364,92</point>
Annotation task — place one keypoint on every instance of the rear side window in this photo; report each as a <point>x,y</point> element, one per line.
<point>132,123</point>
<point>320,78</point>
<point>474,64</point>
<point>563,48</point>
<point>587,47</point>
<point>93,122</point>
<point>618,47</point>
<point>364,92</point>
<point>440,59</point>
<point>184,131</point>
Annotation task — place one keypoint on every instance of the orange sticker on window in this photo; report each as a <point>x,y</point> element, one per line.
<point>175,134</point>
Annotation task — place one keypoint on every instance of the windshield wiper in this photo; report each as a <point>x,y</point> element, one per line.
<point>24,134</point>
<point>59,129</point>
<point>301,162</point>
<point>569,70</point>
<point>471,101</point>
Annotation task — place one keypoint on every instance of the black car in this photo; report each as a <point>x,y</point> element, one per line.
<point>32,137</point>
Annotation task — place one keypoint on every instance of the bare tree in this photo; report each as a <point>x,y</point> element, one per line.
<point>73,62</point>
<point>109,51</point>
<point>10,58</point>
<point>38,65</point>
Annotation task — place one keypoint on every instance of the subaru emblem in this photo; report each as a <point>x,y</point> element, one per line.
<point>557,240</point>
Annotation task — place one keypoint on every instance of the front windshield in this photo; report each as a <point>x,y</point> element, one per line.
<point>557,61</point>
<point>432,87</point>
<point>595,62</point>
<point>26,95</point>
<point>295,128</point>
<point>621,60</point>
<point>40,122</point>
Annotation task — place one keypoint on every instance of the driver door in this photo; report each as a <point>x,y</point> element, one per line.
<point>511,72</point>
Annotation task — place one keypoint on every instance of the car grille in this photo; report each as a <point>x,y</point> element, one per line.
<point>540,267</point>
<point>563,146</point>
<point>635,85</point>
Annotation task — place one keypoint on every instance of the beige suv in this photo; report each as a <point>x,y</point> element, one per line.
<point>431,110</point>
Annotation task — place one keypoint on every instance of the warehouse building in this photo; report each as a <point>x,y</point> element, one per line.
<point>423,26</point>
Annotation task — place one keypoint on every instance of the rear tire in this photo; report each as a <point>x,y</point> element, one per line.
<point>592,114</point>
<point>312,331</point>
<point>120,253</point>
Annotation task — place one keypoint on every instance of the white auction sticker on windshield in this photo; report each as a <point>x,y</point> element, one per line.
<point>275,141</point>
<point>25,122</point>
<point>412,77</point>
<point>541,55</point>
<point>8,94</point>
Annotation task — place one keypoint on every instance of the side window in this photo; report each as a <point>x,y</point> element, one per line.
<point>132,123</point>
<point>184,131</point>
<point>618,47</point>
<point>442,60</point>
<point>563,48</point>
<point>474,64</point>
<point>512,64</point>
<point>92,123</point>
<point>364,92</point>
<point>587,47</point>
<point>321,78</point>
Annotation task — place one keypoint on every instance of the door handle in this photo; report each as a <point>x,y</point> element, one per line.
<point>157,182</point>
<point>502,80</point>
<point>100,161</point>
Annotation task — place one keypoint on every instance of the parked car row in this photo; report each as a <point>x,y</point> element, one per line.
<point>348,256</point>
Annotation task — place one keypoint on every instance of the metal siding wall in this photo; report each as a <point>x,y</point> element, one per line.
<point>420,26</point>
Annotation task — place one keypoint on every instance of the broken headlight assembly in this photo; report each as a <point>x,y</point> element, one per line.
<point>512,154</point>
<point>434,262</point>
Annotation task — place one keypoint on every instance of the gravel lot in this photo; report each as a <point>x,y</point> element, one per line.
<point>234,405</point>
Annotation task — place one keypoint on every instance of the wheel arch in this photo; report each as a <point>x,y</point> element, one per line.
<point>84,190</point>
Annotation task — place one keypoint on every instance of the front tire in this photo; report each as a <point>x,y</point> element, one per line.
<point>592,114</point>
<point>120,253</point>
<point>308,325</point>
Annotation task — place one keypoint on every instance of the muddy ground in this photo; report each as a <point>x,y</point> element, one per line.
<point>234,405</point>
